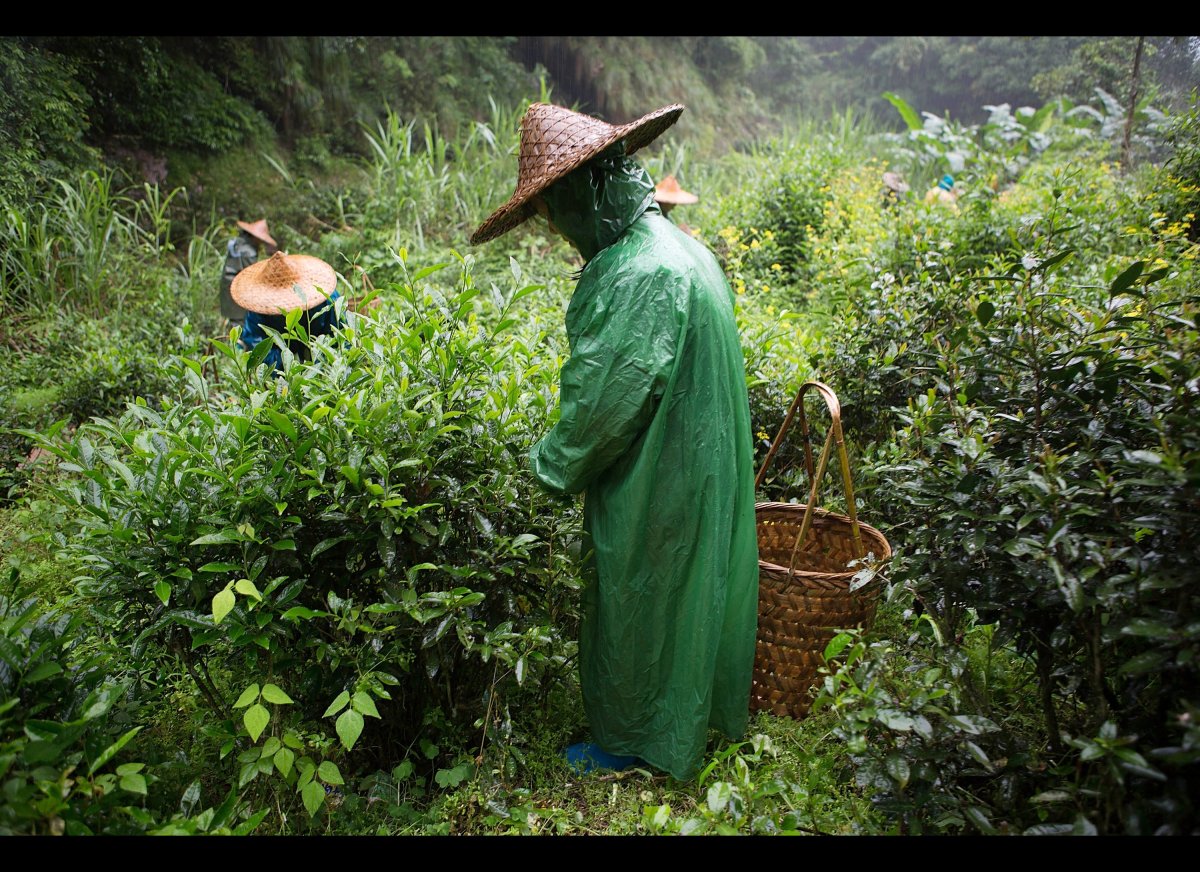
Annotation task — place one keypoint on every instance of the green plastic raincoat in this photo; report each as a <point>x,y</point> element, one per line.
<point>655,426</point>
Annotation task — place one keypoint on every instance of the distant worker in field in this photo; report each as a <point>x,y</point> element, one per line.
<point>668,194</point>
<point>267,290</point>
<point>943,193</point>
<point>241,251</point>
<point>894,188</point>
<point>654,430</point>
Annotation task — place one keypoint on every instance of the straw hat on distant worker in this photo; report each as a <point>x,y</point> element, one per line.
<point>283,282</point>
<point>669,194</point>
<point>241,251</point>
<point>895,183</point>
<point>258,229</point>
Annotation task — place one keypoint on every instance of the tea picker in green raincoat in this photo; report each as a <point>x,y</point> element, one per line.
<point>654,427</point>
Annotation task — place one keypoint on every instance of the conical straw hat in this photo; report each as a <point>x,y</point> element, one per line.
<point>283,282</point>
<point>555,141</point>
<point>668,191</point>
<point>259,231</point>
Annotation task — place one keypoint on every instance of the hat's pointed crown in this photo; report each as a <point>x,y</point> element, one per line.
<point>278,272</point>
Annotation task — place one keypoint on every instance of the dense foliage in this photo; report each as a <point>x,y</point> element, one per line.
<point>1046,440</point>
<point>333,598</point>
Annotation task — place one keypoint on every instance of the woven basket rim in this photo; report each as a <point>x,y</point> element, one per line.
<point>825,515</point>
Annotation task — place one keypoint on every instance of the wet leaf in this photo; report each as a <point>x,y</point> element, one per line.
<point>249,695</point>
<point>313,795</point>
<point>256,719</point>
<point>1127,278</point>
<point>328,772</point>
<point>363,704</point>
<point>897,768</point>
<point>222,604</point>
<point>349,727</point>
<point>273,694</point>
<point>339,703</point>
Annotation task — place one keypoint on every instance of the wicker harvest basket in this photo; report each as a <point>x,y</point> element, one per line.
<point>817,572</point>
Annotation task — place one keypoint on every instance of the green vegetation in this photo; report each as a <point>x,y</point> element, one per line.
<point>335,601</point>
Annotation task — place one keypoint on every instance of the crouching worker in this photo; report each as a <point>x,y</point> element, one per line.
<point>269,289</point>
<point>943,193</point>
<point>242,251</point>
<point>655,426</point>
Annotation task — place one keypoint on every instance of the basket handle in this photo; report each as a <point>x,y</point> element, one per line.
<point>834,435</point>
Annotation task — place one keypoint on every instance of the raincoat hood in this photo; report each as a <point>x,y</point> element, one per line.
<point>594,205</point>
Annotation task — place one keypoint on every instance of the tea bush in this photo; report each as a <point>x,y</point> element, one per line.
<point>788,197</point>
<point>354,538</point>
<point>909,738</point>
<point>58,728</point>
<point>1043,442</point>
<point>1177,196</point>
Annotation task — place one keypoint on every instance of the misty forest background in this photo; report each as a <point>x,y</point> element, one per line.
<point>183,111</point>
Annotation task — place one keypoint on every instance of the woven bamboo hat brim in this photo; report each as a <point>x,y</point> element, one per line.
<point>259,231</point>
<point>668,191</point>
<point>555,141</point>
<point>283,282</point>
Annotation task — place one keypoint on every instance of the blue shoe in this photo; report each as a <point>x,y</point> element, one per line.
<point>588,756</point>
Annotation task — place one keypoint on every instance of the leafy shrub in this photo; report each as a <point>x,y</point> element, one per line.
<point>1044,445</point>
<point>791,201</point>
<point>908,735</point>
<point>59,730</point>
<point>355,538</point>
<point>43,119</point>
<point>1177,197</point>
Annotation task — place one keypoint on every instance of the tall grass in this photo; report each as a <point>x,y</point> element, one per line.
<point>79,247</point>
<point>199,272</point>
<point>848,131</point>
<point>422,180</point>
